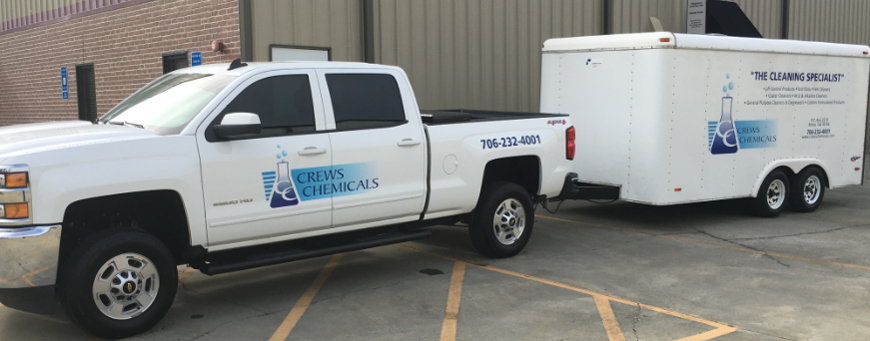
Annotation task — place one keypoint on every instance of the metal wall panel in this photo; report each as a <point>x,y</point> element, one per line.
<point>23,14</point>
<point>837,21</point>
<point>335,23</point>
<point>632,16</point>
<point>766,15</point>
<point>479,54</point>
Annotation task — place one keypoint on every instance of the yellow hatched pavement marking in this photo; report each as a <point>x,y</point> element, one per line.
<point>187,273</point>
<point>609,320</point>
<point>304,301</point>
<point>720,328</point>
<point>779,255</point>
<point>451,314</point>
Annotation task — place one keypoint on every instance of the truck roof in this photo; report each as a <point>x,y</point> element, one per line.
<point>221,69</point>
<point>654,40</point>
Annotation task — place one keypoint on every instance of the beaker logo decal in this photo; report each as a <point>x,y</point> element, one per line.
<point>279,186</point>
<point>283,189</point>
<point>724,135</point>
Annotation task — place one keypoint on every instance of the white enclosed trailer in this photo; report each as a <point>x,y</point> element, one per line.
<point>676,118</point>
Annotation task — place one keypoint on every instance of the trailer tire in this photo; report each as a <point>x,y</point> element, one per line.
<point>808,190</point>
<point>772,195</point>
<point>125,268</point>
<point>503,220</point>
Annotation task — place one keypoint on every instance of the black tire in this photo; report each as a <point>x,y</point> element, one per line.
<point>85,265</point>
<point>772,195</point>
<point>808,190</point>
<point>517,231</point>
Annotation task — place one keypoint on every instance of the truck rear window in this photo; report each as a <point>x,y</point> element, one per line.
<point>362,101</point>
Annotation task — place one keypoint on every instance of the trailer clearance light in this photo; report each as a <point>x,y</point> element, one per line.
<point>866,53</point>
<point>14,211</point>
<point>665,40</point>
<point>570,136</point>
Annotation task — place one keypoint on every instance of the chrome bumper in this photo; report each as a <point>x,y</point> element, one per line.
<point>29,256</point>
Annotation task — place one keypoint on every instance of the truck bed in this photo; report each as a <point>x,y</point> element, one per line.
<point>454,116</point>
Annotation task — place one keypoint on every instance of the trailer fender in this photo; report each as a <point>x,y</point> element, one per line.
<point>794,165</point>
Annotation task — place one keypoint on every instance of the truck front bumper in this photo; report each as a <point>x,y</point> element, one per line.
<point>28,267</point>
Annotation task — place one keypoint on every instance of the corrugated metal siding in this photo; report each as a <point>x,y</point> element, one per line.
<point>632,16</point>
<point>479,54</point>
<point>15,14</point>
<point>334,23</point>
<point>766,15</point>
<point>837,21</point>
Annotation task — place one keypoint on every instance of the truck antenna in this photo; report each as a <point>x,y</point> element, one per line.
<point>237,63</point>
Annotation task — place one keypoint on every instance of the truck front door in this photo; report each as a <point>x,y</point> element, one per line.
<point>379,148</point>
<point>253,187</point>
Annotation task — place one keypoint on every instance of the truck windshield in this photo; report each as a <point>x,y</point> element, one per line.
<point>166,106</point>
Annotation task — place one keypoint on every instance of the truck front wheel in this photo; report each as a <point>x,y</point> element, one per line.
<point>118,283</point>
<point>808,190</point>
<point>772,196</point>
<point>503,220</point>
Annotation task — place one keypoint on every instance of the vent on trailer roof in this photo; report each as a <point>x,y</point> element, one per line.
<point>725,17</point>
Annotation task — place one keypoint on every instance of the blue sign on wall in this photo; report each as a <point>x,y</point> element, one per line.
<point>195,58</point>
<point>63,83</point>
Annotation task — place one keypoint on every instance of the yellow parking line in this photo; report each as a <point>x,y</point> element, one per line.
<point>34,272</point>
<point>721,328</point>
<point>713,244</point>
<point>451,314</point>
<point>187,273</point>
<point>301,305</point>
<point>611,325</point>
<point>711,334</point>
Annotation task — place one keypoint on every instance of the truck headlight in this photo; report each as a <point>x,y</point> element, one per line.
<point>14,211</point>
<point>13,180</point>
<point>15,197</point>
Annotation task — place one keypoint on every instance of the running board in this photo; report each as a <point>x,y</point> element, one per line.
<point>257,261</point>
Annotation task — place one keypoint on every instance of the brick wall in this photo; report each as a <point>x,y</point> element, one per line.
<point>125,45</point>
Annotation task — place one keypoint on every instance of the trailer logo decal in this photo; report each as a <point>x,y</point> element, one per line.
<point>555,122</point>
<point>727,135</point>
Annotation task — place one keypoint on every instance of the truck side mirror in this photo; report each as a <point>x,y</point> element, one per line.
<point>237,125</point>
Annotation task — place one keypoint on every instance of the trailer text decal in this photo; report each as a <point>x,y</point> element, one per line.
<point>797,76</point>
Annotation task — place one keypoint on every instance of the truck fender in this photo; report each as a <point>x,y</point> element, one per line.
<point>795,165</point>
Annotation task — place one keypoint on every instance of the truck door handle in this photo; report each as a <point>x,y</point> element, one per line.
<point>312,151</point>
<point>408,143</point>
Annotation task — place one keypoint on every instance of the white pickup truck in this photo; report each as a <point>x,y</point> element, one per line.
<point>231,167</point>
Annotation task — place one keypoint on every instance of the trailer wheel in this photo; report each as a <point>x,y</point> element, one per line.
<point>808,190</point>
<point>118,283</point>
<point>772,196</point>
<point>503,220</point>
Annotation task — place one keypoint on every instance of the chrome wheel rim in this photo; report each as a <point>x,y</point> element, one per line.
<point>509,221</point>
<point>812,189</point>
<point>126,286</point>
<point>776,194</point>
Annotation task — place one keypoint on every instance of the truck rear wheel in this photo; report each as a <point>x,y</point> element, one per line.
<point>118,283</point>
<point>808,190</point>
<point>772,196</point>
<point>503,220</point>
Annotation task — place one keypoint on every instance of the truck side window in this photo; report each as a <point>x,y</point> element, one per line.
<point>283,103</point>
<point>362,101</point>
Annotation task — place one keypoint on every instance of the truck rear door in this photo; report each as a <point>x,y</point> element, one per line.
<point>379,148</point>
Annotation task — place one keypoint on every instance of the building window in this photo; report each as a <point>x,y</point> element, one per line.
<point>174,61</point>
<point>87,92</point>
